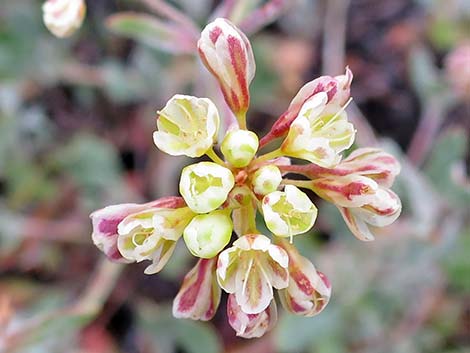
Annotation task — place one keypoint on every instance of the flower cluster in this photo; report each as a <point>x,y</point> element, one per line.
<point>223,196</point>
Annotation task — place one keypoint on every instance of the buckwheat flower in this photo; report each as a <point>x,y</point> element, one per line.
<point>372,163</point>
<point>309,290</point>
<point>63,17</point>
<point>199,295</point>
<point>347,191</point>
<point>319,134</point>
<point>266,179</point>
<point>205,186</point>
<point>227,54</point>
<point>187,126</point>
<point>250,325</point>
<point>105,223</point>
<point>289,212</point>
<point>152,235</point>
<point>250,269</point>
<point>336,88</point>
<point>207,234</point>
<point>382,210</point>
<point>361,201</point>
<point>239,147</point>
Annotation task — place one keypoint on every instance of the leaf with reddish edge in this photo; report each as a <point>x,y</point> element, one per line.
<point>152,31</point>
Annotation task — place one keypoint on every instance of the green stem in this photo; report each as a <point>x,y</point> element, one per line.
<point>212,155</point>
<point>248,219</point>
<point>241,118</point>
<point>306,184</point>
<point>269,155</point>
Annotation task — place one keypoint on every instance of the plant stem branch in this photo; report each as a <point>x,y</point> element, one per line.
<point>306,184</point>
<point>270,155</point>
<point>212,155</point>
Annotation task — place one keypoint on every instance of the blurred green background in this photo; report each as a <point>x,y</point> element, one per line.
<point>76,117</point>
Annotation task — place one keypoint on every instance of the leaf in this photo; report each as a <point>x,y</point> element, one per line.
<point>449,149</point>
<point>457,263</point>
<point>169,333</point>
<point>424,74</point>
<point>151,31</point>
<point>93,164</point>
<point>295,334</point>
<point>43,326</point>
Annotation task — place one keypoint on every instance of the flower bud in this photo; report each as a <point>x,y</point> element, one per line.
<point>250,325</point>
<point>205,186</point>
<point>309,290</point>
<point>207,234</point>
<point>266,179</point>
<point>319,134</point>
<point>63,17</point>
<point>336,88</point>
<point>239,147</point>
<point>187,126</point>
<point>105,223</point>
<point>199,295</point>
<point>289,212</point>
<point>152,234</point>
<point>227,54</point>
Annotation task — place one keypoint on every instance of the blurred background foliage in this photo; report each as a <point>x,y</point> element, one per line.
<point>75,123</point>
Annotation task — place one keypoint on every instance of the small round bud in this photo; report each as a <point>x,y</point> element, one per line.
<point>205,186</point>
<point>239,147</point>
<point>289,212</point>
<point>266,179</point>
<point>207,234</point>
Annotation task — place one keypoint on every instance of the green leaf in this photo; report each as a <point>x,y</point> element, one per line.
<point>295,334</point>
<point>424,73</point>
<point>449,150</point>
<point>169,333</point>
<point>457,263</point>
<point>93,164</point>
<point>151,31</point>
